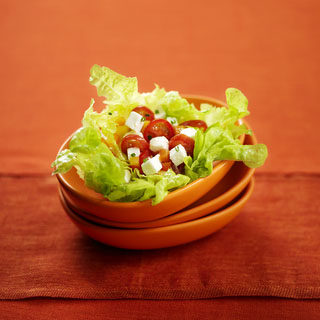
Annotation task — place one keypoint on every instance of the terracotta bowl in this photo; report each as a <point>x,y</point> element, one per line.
<point>221,194</point>
<point>161,237</point>
<point>91,202</point>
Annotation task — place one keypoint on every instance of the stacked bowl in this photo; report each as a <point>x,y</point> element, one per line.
<point>187,214</point>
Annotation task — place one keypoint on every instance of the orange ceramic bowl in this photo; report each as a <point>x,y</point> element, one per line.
<point>221,194</point>
<point>91,202</point>
<point>161,237</point>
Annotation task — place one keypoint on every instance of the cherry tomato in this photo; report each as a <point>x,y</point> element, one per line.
<point>179,128</point>
<point>166,165</point>
<point>187,142</point>
<point>195,123</point>
<point>134,141</point>
<point>145,112</point>
<point>157,128</point>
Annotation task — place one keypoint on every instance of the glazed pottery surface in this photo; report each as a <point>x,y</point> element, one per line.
<point>161,237</point>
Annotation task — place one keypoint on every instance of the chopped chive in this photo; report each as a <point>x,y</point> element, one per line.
<point>176,148</point>
<point>156,111</point>
<point>133,154</point>
<point>145,160</point>
<point>173,121</point>
<point>149,137</point>
<point>110,113</point>
<point>147,115</point>
<point>143,119</point>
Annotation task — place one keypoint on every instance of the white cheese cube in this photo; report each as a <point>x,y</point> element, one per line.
<point>127,176</point>
<point>190,132</point>
<point>152,165</point>
<point>159,143</point>
<point>135,121</point>
<point>177,154</point>
<point>159,113</point>
<point>133,152</point>
<point>172,120</point>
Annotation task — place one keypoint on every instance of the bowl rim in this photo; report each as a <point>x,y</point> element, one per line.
<point>220,166</point>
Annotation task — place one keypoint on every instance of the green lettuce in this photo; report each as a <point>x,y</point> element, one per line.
<point>94,161</point>
<point>145,187</point>
<point>218,143</point>
<point>116,88</point>
<point>106,124</point>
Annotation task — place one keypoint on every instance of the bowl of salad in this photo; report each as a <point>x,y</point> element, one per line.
<point>148,155</point>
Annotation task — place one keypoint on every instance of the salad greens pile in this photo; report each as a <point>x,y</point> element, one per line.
<point>95,153</point>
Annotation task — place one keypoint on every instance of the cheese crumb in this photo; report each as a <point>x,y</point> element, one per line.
<point>177,154</point>
<point>159,143</point>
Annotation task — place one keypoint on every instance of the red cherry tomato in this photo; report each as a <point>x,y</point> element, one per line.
<point>134,141</point>
<point>157,128</point>
<point>145,112</point>
<point>187,142</point>
<point>144,155</point>
<point>195,123</point>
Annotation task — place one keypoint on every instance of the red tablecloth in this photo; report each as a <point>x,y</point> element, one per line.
<point>265,264</point>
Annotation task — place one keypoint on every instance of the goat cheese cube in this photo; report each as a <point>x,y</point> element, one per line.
<point>159,143</point>
<point>135,121</point>
<point>133,152</point>
<point>177,154</point>
<point>190,132</point>
<point>152,165</point>
<point>159,113</point>
<point>172,120</point>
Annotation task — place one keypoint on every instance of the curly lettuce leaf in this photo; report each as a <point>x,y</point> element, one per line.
<point>237,102</point>
<point>144,187</point>
<point>116,88</point>
<point>176,106</point>
<point>218,143</point>
<point>105,122</point>
<point>252,156</point>
<point>85,140</point>
<point>93,159</point>
<point>64,162</point>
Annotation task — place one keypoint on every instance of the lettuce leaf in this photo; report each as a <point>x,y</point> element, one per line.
<point>106,124</point>
<point>93,159</point>
<point>64,162</point>
<point>218,143</point>
<point>116,88</point>
<point>145,187</point>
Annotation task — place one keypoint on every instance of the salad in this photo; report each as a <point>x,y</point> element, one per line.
<point>143,145</point>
